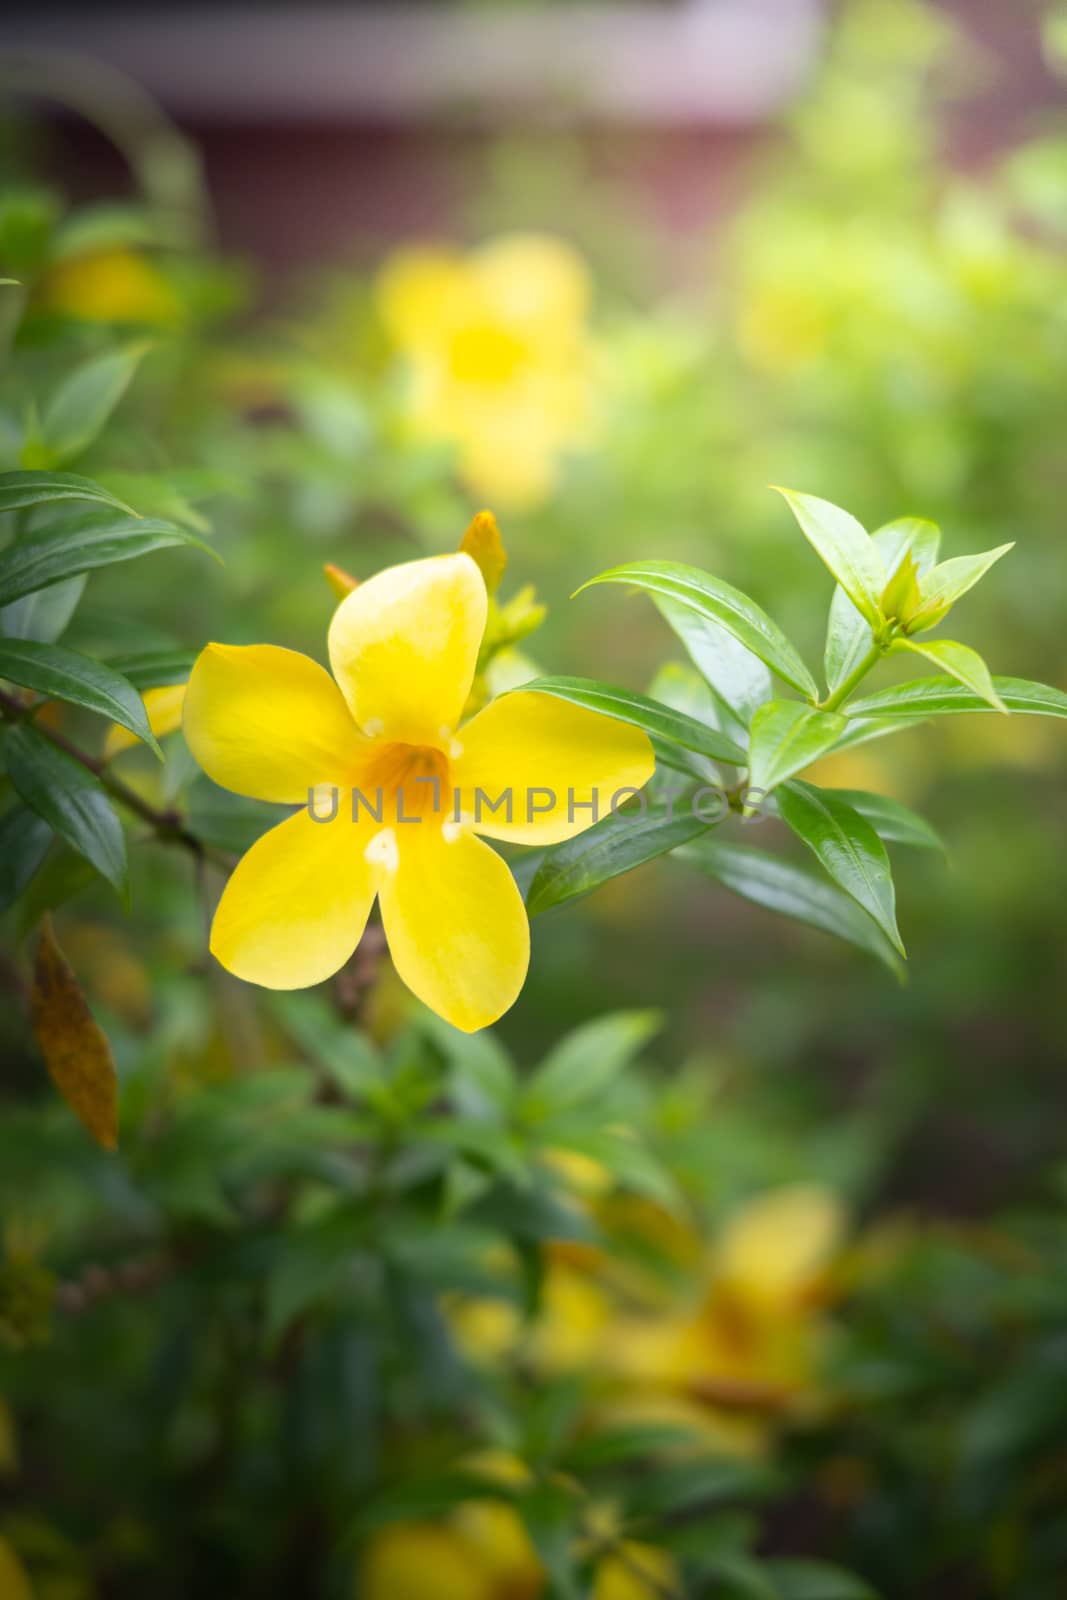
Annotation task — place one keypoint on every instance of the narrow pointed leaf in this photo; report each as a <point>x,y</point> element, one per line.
<point>43,615</point>
<point>720,603</point>
<point>585,1063</point>
<point>739,679</point>
<point>845,546</point>
<point>35,563</point>
<point>154,669</point>
<point>21,489</point>
<point>85,399</point>
<point>64,675</point>
<point>961,663</point>
<point>637,709</point>
<point>847,847</point>
<point>937,697</point>
<point>613,846</point>
<point>69,798</point>
<point>893,822</point>
<point>786,738</point>
<point>24,841</point>
<point>790,890</point>
<point>848,634</point>
<point>943,585</point>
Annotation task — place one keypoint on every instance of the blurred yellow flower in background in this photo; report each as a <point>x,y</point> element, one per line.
<point>483,1552</point>
<point>749,1348</point>
<point>163,707</point>
<point>113,285</point>
<point>498,357</point>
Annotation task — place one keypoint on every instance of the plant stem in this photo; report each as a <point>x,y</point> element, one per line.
<point>167,825</point>
<point>855,677</point>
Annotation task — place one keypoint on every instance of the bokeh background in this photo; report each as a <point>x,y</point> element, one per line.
<point>784,242</point>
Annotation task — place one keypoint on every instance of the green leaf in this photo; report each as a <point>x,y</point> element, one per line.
<point>740,681</point>
<point>64,675</point>
<point>24,841</point>
<point>155,495</point>
<point>846,548</point>
<point>961,663</point>
<point>720,603</point>
<point>848,848</point>
<point>154,669</point>
<point>615,845</point>
<point>892,822</point>
<point>790,890</point>
<point>35,563</point>
<point>786,737</point>
<point>21,489</point>
<point>848,634</point>
<point>85,399</point>
<point>43,615</point>
<point>69,798</point>
<point>584,1063</point>
<point>641,712</point>
<point>817,1580</point>
<point>945,584</point>
<point>937,697</point>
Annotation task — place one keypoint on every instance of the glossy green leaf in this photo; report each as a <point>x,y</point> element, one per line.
<point>24,841</point>
<point>35,563</point>
<point>848,634</point>
<point>845,546</point>
<point>960,662</point>
<point>587,1060</point>
<point>943,585</point>
<point>637,709</point>
<point>847,847</point>
<point>787,737</point>
<point>937,697</point>
<point>892,822</point>
<point>69,798</point>
<point>61,674</point>
<point>85,399</point>
<point>615,845</point>
<point>718,602</point>
<point>790,891</point>
<point>45,614</point>
<point>21,489</point>
<point>741,682</point>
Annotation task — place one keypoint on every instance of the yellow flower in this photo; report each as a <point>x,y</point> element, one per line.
<point>498,356</point>
<point>399,792</point>
<point>483,1552</point>
<point>749,1348</point>
<point>116,285</point>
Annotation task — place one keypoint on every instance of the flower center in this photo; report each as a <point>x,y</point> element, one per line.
<point>414,780</point>
<point>485,354</point>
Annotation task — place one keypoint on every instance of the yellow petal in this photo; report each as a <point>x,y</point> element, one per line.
<point>536,283</point>
<point>456,924</point>
<point>555,760</point>
<point>114,285</point>
<point>268,722</point>
<point>163,708</point>
<point>404,645</point>
<point>298,901</point>
<point>409,1561</point>
<point>637,1572</point>
<point>419,293</point>
<point>772,1250</point>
